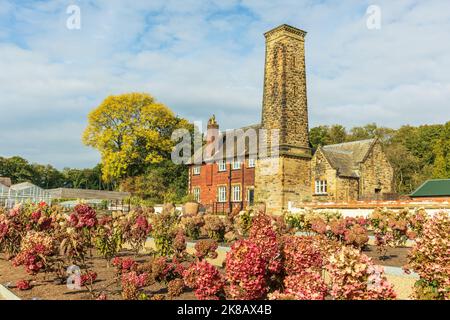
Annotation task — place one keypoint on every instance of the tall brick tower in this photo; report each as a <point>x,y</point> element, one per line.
<point>285,177</point>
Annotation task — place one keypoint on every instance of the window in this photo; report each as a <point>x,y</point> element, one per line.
<point>222,165</point>
<point>222,194</point>
<point>236,164</point>
<point>197,170</point>
<point>321,187</point>
<point>236,193</point>
<point>250,196</point>
<point>196,192</point>
<point>251,162</point>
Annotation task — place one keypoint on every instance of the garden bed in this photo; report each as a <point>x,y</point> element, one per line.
<point>47,289</point>
<point>310,256</point>
<point>395,257</point>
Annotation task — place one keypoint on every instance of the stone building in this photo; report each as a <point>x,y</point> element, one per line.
<point>344,172</point>
<point>351,171</point>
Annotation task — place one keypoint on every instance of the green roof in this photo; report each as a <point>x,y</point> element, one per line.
<point>433,188</point>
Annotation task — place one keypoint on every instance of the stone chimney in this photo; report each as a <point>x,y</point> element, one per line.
<point>212,135</point>
<point>212,130</point>
<point>287,177</point>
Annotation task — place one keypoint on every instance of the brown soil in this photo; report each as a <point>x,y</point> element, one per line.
<point>47,289</point>
<point>395,257</point>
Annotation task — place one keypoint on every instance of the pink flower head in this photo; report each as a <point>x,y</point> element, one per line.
<point>23,285</point>
<point>36,215</point>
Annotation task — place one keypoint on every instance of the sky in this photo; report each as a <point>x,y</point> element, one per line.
<point>205,57</point>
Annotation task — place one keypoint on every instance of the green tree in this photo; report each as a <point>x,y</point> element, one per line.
<point>441,165</point>
<point>162,182</point>
<point>46,176</point>
<point>371,131</point>
<point>318,136</point>
<point>16,168</point>
<point>336,134</point>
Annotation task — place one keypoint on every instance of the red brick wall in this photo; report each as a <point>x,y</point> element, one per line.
<point>210,179</point>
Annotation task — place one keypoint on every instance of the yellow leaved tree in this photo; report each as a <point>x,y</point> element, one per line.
<point>131,131</point>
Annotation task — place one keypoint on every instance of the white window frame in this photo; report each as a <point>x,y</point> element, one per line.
<point>222,164</point>
<point>196,193</point>
<point>236,193</point>
<point>222,194</point>
<point>235,164</point>
<point>196,170</point>
<point>321,187</point>
<point>251,162</point>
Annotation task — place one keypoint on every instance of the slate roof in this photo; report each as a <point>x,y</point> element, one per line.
<point>433,188</point>
<point>217,156</point>
<point>346,157</point>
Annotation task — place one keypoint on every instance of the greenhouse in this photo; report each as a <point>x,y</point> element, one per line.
<point>4,194</point>
<point>22,193</point>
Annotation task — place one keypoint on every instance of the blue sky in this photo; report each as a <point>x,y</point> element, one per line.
<point>204,57</point>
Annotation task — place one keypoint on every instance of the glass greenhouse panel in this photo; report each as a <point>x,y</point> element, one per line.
<point>26,192</point>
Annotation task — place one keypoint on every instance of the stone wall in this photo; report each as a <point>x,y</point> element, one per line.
<point>282,179</point>
<point>268,183</point>
<point>284,98</point>
<point>347,189</point>
<point>376,172</point>
<point>322,170</point>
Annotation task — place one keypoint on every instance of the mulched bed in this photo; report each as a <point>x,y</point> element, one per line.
<point>46,289</point>
<point>395,257</point>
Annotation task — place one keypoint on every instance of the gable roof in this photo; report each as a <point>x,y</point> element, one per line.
<point>198,154</point>
<point>433,188</point>
<point>346,157</point>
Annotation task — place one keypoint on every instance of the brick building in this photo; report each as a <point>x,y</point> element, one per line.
<point>222,183</point>
<point>348,171</point>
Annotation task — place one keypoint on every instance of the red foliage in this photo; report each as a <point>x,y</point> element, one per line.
<point>132,282</point>
<point>263,235</point>
<point>301,254</point>
<point>355,277</point>
<point>88,278</point>
<point>430,258</point>
<point>303,286</point>
<point>205,279</point>
<point>124,265</point>
<point>34,250</point>
<point>246,271</point>
<point>23,285</point>
<point>206,249</point>
<point>83,217</point>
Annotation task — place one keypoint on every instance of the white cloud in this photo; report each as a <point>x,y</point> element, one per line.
<point>203,57</point>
